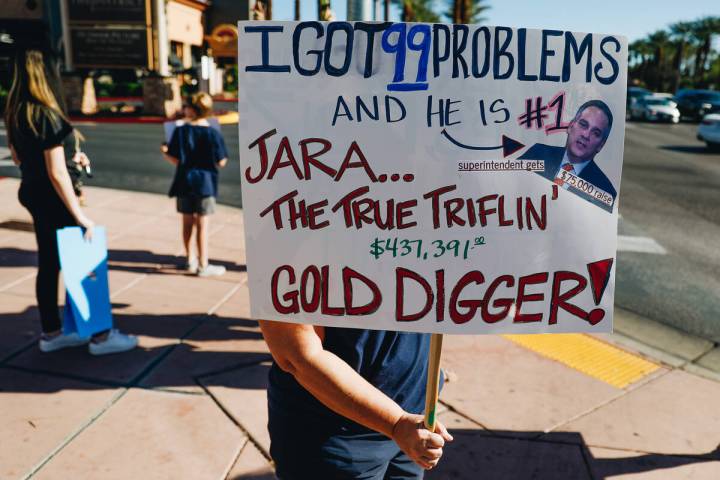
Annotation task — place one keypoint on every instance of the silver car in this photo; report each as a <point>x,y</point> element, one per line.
<point>709,131</point>
<point>655,109</point>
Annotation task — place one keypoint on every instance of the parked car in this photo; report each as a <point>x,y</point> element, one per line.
<point>709,131</point>
<point>695,104</point>
<point>633,93</point>
<point>655,108</point>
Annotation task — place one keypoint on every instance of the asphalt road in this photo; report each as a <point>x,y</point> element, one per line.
<point>668,266</point>
<point>670,192</point>
<point>127,156</point>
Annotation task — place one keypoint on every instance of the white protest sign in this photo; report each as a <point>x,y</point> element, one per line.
<point>432,178</point>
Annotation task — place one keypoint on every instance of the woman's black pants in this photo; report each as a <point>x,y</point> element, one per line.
<point>47,222</point>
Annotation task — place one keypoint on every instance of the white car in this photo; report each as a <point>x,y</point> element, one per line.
<point>655,108</point>
<point>709,130</point>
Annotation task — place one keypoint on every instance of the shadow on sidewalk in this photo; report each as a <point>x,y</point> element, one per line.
<point>176,352</point>
<point>138,261</point>
<point>509,455</point>
<point>255,476</point>
<point>17,257</point>
<point>144,261</point>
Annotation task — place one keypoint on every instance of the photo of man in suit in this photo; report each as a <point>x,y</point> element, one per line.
<point>586,136</point>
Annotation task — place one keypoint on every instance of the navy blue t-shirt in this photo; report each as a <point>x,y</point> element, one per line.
<point>199,149</point>
<point>393,362</point>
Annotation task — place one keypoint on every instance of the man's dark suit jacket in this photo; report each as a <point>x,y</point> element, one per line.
<point>552,156</point>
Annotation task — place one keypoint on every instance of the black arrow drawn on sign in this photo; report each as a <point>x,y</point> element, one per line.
<point>509,145</point>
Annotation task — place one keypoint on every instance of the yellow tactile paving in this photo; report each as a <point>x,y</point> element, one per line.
<point>228,118</point>
<point>589,356</point>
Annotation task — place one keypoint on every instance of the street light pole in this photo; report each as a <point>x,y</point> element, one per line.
<point>67,42</point>
<point>162,38</point>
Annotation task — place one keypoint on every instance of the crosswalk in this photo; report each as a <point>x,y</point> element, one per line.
<point>636,243</point>
<point>627,243</point>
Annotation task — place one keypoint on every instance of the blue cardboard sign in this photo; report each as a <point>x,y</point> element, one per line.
<point>85,273</point>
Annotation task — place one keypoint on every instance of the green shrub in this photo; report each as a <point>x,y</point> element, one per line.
<point>230,80</point>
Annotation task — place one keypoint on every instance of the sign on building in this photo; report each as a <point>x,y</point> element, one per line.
<point>109,47</point>
<point>110,33</point>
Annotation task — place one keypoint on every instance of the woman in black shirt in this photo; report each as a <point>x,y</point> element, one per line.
<point>36,129</point>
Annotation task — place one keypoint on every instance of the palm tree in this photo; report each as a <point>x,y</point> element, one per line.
<point>466,11</point>
<point>259,11</point>
<point>660,41</point>
<point>703,31</point>
<point>324,12</point>
<point>640,55</point>
<point>682,55</point>
<point>417,11</point>
<point>262,10</point>
<point>680,33</point>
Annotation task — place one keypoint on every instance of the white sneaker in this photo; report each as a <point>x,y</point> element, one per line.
<point>191,266</point>
<point>114,343</point>
<point>62,341</point>
<point>211,270</point>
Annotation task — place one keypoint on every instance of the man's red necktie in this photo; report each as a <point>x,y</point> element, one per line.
<point>568,167</point>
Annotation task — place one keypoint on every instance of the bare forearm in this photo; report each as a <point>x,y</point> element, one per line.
<point>170,159</point>
<point>298,350</point>
<point>63,186</point>
<point>60,179</point>
<point>332,381</point>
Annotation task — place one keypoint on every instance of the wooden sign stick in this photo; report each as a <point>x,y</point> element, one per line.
<point>433,381</point>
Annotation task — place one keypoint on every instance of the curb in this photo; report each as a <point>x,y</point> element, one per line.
<point>81,120</point>
<point>224,117</point>
<point>665,344</point>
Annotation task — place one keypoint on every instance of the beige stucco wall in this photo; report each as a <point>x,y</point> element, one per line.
<point>184,24</point>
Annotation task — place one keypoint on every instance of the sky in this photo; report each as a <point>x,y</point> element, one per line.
<point>631,18</point>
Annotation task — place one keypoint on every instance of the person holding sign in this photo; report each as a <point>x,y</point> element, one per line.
<point>347,403</point>
<point>37,128</point>
<point>586,136</point>
<point>197,150</point>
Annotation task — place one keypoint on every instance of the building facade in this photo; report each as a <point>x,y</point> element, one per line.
<point>127,40</point>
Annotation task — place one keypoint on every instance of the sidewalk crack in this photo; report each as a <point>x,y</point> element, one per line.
<point>606,402</point>
<point>74,435</point>
<point>251,438</point>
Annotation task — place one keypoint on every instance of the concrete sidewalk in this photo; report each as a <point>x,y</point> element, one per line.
<point>190,402</point>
